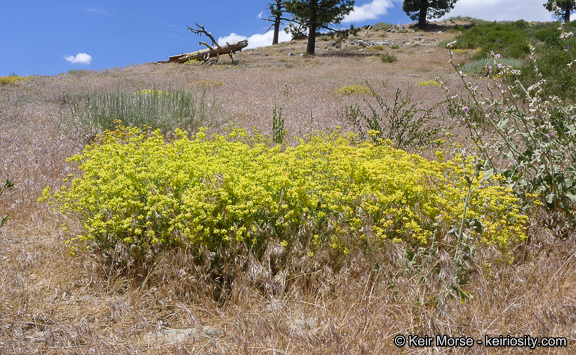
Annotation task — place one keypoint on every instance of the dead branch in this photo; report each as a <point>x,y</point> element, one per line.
<point>212,51</point>
<point>205,54</point>
<point>201,30</point>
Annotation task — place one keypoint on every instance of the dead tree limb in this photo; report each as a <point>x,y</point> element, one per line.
<point>214,50</point>
<point>207,53</point>
<point>202,31</point>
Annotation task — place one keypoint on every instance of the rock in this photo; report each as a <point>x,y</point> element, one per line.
<point>306,324</point>
<point>179,335</point>
<point>428,51</point>
<point>37,337</point>
<point>359,42</point>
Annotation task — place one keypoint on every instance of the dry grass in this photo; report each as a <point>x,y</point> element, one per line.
<point>52,303</point>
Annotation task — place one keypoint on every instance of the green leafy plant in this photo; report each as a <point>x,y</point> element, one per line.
<point>278,130</point>
<point>7,185</point>
<point>532,133</point>
<point>406,124</point>
<point>483,67</point>
<point>78,72</point>
<point>165,109</point>
<point>388,58</point>
<point>376,48</point>
<point>552,61</point>
<point>509,39</point>
<point>381,26</point>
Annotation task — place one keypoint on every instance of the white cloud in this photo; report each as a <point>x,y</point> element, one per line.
<point>233,37</point>
<point>82,58</point>
<point>502,10</point>
<point>369,11</point>
<point>261,14</point>
<point>256,40</point>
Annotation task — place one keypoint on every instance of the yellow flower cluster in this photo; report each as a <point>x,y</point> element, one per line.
<point>8,80</point>
<point>353,89</point>
<point>154,92</point>
<point>206,83</point>
<point>149,193</point>
<point>429,83</point>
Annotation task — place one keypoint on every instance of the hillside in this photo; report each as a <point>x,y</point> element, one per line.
<point>55,303</point>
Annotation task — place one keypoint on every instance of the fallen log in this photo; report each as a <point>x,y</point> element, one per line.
<point>207,53</point>
<point>213,51</point>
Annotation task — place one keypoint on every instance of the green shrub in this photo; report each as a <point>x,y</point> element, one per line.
<point>165,109</point>
<point>140,194</point>
<point>376,48</point>
<point>78,72</point>
<point>406,124</point>
<point>526,135</point>
<point>278,130</point>
<point>545,31</point>
<point>389,58</point>
<point>381,26</point>
<point>552,62</point>
<point>457,29</point>
<point>510,40</point>
<point>521,24</point>
<point>472,20</point>
<point>487,66</point>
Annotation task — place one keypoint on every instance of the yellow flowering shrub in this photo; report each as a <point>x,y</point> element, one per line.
<point>353,89</point>
<point>206,83</point>
<point>144,193</point>
<point>12,79</point>
<point>154,93</point>
<point>193,61</point>
<point>429,83</point>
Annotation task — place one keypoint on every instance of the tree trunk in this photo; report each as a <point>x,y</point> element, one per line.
<point>277,12</point>
<point>311,47</point>
<point>423,13</point>
<point>567,15</point>
<point>276,30</point>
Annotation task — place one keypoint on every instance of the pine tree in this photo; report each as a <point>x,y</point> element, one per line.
<point>567,6</point>
<point>276,8</point>
<point>423,9</point>
<point>316,14</point>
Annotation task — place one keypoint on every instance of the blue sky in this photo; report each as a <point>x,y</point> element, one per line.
<point>47,37</point>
